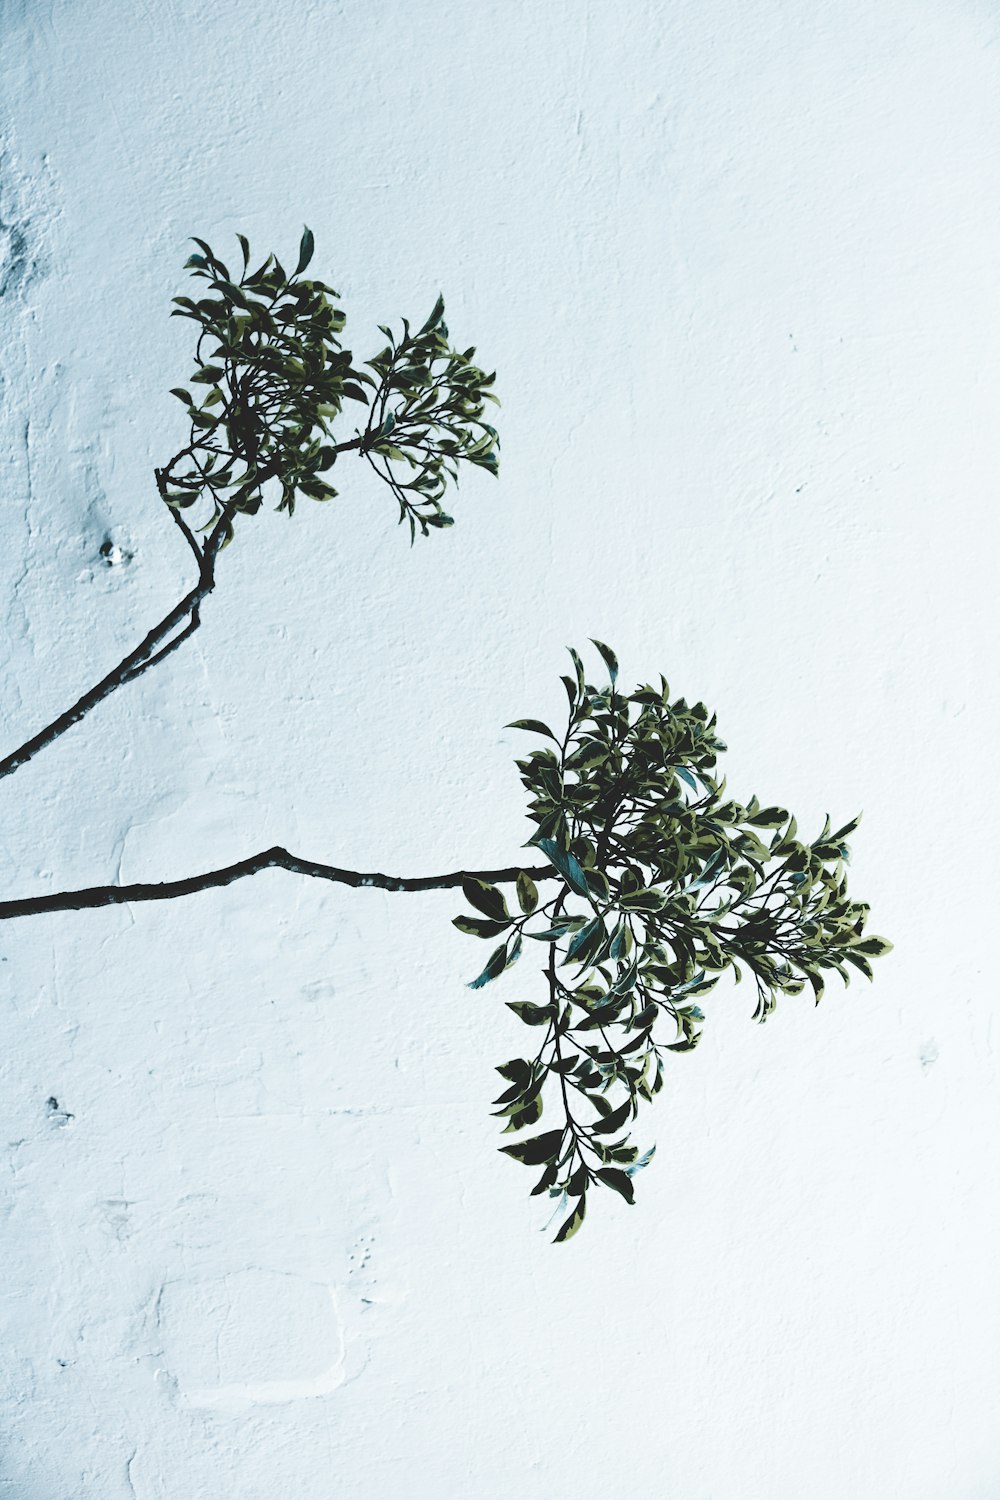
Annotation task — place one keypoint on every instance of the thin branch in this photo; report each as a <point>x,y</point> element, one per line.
<point>186,532</point>
<point>189,629</point>
<point>137,661</point>
<point>269,859</point>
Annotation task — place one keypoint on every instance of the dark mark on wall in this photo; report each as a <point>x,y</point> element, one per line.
<point>113,554</point>
<point>56,1115</point>
<point>15,262</point>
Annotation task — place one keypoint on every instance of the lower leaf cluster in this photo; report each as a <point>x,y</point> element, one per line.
<point>660,884</point>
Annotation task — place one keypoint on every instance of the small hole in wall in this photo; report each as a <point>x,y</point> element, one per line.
<point>113,554</point>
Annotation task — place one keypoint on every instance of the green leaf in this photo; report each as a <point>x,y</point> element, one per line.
<point>518,1070</point>
<point>649,899</point>
<point>614,1121</point>
<point>643,1161</point>
<point>584,940</point>
<point>572,1224</point>
<point>841,833</point>
<point>852,956</point>
<point>614,1177</point>
<point>577,1183</point>
<point>531,1015</point>
<point>610,659</point>
<point>559,929</point>
<point>527,893</point>
<point>873,946</point>
<point>546,1180</point>
<point>567,865</point>
<point>495,965</point>
<point>528,1113</point>
<point>479,926</point>
<point>578,664</point>
<point>485,898</point>
<point>769,817</point>
<point>711,868</point>
<point>587,757</point>
<point>434,319</point>
<point>533,726</point>
<point>306,247</point>
<point>686,1044</point>
<point>539,1149</point>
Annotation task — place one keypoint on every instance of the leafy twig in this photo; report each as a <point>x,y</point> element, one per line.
<point>663,889</point>
<point>274,376</point>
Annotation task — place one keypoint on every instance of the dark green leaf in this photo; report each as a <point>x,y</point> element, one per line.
<point>584,940</point>
<point>645,900</point>
<point>528,1113</point>
<point>567,865</point>
<point>572,1224</point>
<point>485,898</point>
<point>495,966</point>
<point>306,247</point>
<point>559,929</point>
<point>769,817</point>
<point>527,893</point>
<point>614,1121</point>
<point>546,1180</point>
<point>532,1015</point>
<point>539,1149</point>
<point>518,1070</point>
<point>614,1177</point>
<point>874,947</point>
<point>480,927</point>
<point>434,319</point>
<point>610,659</point>
<point>534,726</point>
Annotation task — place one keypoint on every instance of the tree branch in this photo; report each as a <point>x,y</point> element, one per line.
<point>144,655</point>
<point>269,859</point>
<point>182,525</point>
<point>189,629</point>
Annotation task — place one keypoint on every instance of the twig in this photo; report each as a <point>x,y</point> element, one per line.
<point>189,629</point>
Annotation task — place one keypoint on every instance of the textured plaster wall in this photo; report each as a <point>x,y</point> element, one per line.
<point>736,264</point>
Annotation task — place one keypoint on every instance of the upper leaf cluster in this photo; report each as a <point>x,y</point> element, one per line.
<point>271,380</point>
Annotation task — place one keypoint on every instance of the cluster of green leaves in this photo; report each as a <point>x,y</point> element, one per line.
<point>272,377</point>
<point>662,883</point>
<point>428,416</point>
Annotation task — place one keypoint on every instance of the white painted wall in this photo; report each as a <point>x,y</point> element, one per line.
<point>736,264</point>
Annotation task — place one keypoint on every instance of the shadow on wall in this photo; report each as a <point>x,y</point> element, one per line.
<point>18,263</point>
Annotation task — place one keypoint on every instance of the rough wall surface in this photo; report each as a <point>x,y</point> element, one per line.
<point>736,264</point>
